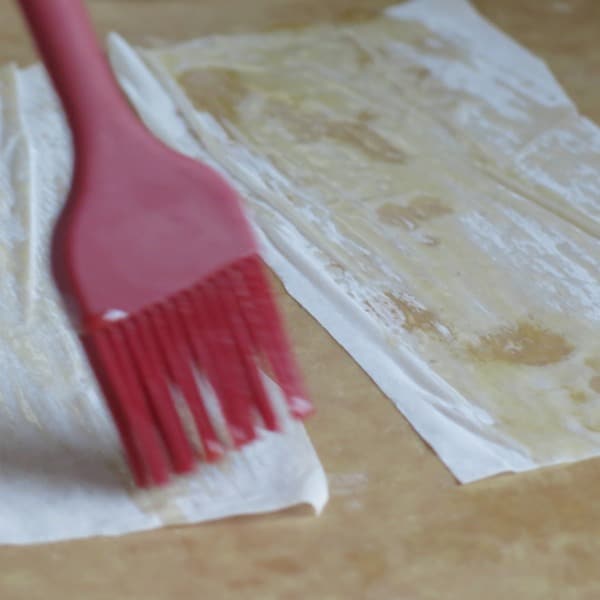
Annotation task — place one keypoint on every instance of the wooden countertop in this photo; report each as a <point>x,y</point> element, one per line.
<point>398,527</point>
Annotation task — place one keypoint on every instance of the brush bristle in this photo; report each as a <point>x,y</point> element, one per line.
<point>151,364</point>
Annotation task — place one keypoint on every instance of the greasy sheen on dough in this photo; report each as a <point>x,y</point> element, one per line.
<point>443,185</point>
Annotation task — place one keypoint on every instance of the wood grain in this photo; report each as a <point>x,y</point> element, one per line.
<point>398,526</point>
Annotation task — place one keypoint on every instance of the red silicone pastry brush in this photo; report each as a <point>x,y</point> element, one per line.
<point>159,271</point>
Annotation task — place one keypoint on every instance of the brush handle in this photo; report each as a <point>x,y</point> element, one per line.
<point>96,109</point>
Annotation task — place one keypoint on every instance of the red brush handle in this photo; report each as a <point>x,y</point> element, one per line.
<point>89,93</point>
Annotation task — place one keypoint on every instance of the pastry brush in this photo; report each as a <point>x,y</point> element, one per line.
<point>159,272</point>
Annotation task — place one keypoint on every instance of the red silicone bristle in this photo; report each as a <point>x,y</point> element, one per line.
<point>190,314</point>
<point>144,449</point>
<point>177,356</point>
<point>199,329</point>
<point>228,284</point>
<point>103,365</point>
<point>154,377</point>
<point>266,329</point>
<point>225,374</point>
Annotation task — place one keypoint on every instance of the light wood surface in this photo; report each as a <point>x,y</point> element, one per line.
<point>398,527</point>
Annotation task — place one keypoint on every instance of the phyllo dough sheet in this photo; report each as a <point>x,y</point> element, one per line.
<point>425,188</point>
<point>62,474</point>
